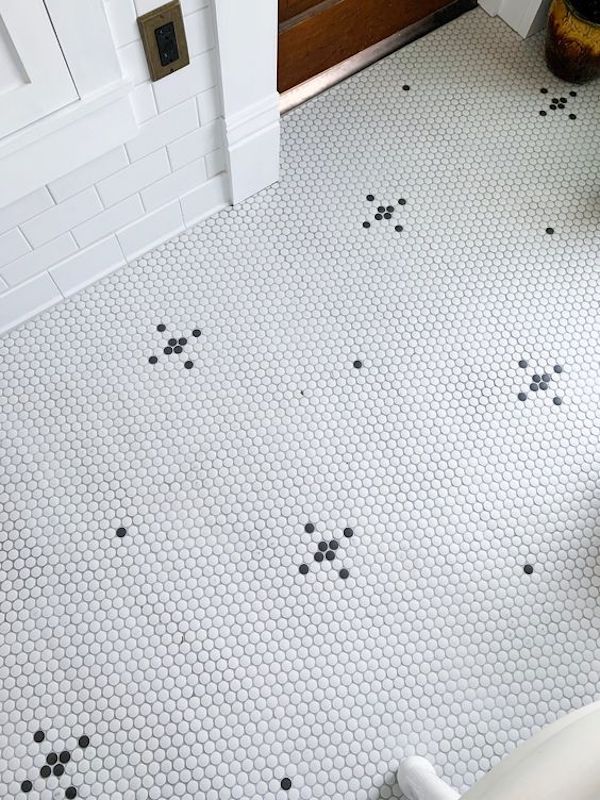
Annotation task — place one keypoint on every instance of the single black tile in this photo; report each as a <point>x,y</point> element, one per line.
<point>167,351</point>
<point>543,113</point>
<point>309,527</point>
<point>303,569</point>
<point>58,770</point>
<point>333,544</point>
<point>318,556</point>
<point>188,364</point>
<point>557,401</point>
<point>51,758</point>
<point>533,387</point>
<point>387,215</point>
<point>401,202</point>
<point>572,116</point>
<point>348,533</point>
<point>544,91</point>
<point>45,771</point>
<point>523,364</point>
<point>378,216</point>
<point>522,396</point>
<point>357,364</point>
<point>366,224</point>
<point>381,209</point>
<point>322,546</point>
<point>546,377</point>
<point>178,349</point>
<point>390,209</point>
<point>563,99</point>
<point>153,359</point>
<point>406,87</point>
<point>399,228</point>
<point>552,106</point>
<point>121,532</point>
<point>84,741</point>
<point>343,573</point>
<point>70,793</point>
<point>561,105</point>
<point>573,94</point>
<point>26,786</point>
<point>161,328</point>
<point>527,569</point>
<point>557,368</point>
<point>183,341</point>
<point>330,555</point>
<point>543,385</point>
<point>537,378</point>
<point>64,757</point>
<point>550,230</point>
<point>286,783</point>
<point>196,332</point>
<point>555,99</point>
<point>370,197</point>
<point>39,736</point>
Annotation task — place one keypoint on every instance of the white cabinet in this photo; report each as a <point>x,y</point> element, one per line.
<point>34,77</point>
<point>63,98</point>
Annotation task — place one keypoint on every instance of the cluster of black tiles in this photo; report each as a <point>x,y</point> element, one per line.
<point>558,103</point>
<point>384,212</point>
<point>175,345</point>
<point>55,764</point>
<point>326,551</point>
<point>540,383</point>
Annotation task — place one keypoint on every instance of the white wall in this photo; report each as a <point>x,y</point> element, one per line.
<point>65,235</point>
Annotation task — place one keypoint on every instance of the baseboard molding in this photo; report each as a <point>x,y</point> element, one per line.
<point>252,144</point>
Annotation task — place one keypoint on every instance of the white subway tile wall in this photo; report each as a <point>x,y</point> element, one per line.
<point>61,237</point>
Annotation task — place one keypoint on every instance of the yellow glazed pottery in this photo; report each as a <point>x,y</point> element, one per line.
<point>573,40</point>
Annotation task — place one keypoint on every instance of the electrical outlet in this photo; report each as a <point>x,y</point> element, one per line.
<point>163,35</point>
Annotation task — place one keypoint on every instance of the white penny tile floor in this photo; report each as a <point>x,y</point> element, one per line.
<point>357,517</point>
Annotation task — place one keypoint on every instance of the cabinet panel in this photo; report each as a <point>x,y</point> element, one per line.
<point>34,79</point>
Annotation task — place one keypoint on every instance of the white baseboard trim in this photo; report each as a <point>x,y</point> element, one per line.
<point>252,144</point>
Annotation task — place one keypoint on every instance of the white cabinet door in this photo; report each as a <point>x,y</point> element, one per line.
<point>34,79</point>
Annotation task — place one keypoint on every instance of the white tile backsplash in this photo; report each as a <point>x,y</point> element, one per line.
<point>27,299</point>
<point>153,228</point>
<point>185,83</point>
<point>108,221</point>
<point>134,177</point>
<point>97,169</point>
<point>62,217</point>
<point>61,237</point>
<point>39,259</point>
<point>12,245</point>
<point>174,185</point>
<point>88,265</point>
<point>194,145</point>
<point>164,129</point>
<point>25,208</point>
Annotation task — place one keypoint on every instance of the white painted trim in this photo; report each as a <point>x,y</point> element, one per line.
<point>526,17</point>
<point>54,147</point>
<point>246,36</point>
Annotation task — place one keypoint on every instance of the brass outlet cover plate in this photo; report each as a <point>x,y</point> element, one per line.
<point>148,23</point>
